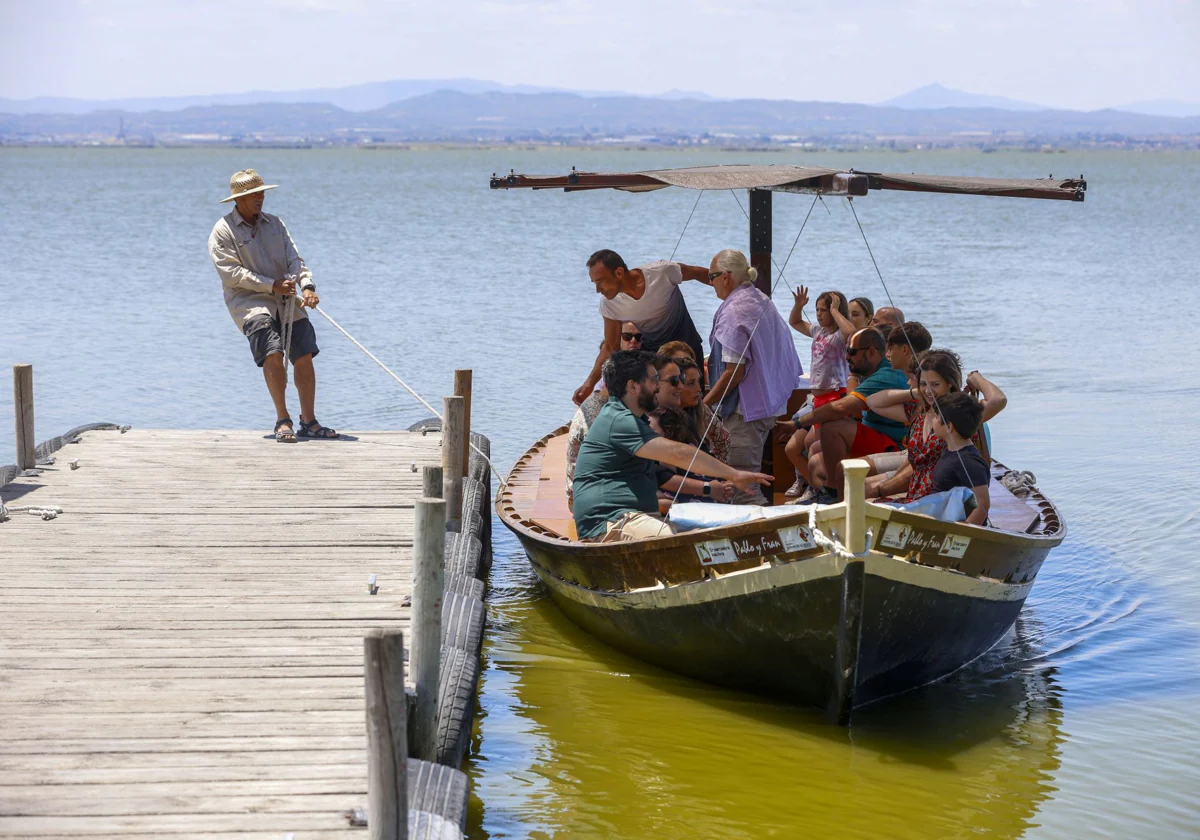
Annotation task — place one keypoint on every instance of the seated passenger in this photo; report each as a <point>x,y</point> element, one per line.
<point>678,485</point>
<point>940,374</point>
<point>670,391</point>
<point>677,350</point>
<point>861,312</point>
<point>705,422</point>
<point>829,371</point>
<point>631,339</point>
<point>957,417</point>
<point>905,344</point>
<point>848,429</point>
<point>886,319</point>
<point>616,495</point>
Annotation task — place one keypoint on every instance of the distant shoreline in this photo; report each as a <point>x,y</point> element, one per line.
<point>917,148</point>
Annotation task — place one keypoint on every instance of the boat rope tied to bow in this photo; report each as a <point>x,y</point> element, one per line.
<point>46,513</point>
<point>406,387</point>
<point>832,545</point>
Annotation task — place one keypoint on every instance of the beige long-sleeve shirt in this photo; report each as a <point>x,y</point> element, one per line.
<point>249,259</point>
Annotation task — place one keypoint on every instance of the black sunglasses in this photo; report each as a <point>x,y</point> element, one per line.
<point>631,336</point>
<point>851,351</point>
<point>674,380</point>
<point>713,275</point>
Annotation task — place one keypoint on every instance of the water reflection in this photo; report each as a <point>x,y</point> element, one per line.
<point>581,740</point>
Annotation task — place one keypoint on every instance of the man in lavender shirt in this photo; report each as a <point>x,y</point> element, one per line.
<point>753,367</point>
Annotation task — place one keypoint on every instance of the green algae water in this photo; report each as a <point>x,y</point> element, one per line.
<point>1080,723</point>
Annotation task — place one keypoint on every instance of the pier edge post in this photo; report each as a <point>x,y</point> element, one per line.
<point>387,735</point>
<point>853,585</point>
<point>453,437</point>
<point>23,416</point>
<point>429,547</point>
<point>462,388</point>
<point>431,482</point>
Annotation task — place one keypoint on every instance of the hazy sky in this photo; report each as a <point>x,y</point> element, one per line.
<point>1064,53</point>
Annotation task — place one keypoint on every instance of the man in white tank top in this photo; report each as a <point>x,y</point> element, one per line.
<point>648,296</point>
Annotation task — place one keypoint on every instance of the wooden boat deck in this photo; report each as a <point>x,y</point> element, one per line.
<point>537,492</point>
<point>181,649</point>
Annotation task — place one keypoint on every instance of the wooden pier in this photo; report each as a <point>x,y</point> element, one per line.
<point>181,650</point>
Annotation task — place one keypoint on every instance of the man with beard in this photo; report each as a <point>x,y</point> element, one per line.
<point>848,429</point>
<point>616,494</point>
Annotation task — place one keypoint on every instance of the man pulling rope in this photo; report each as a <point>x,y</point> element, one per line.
<point>260,269</point>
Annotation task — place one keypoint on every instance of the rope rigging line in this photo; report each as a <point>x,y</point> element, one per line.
<point>406,387</point>
<point>770,302</point>
<point>892,303</point>
<point>679,241</point>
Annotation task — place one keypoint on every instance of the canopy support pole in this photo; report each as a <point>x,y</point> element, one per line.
<point>760,237</point>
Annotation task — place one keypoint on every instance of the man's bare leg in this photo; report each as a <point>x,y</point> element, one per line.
<point>306,385</point>
<point>276,378</point>
<point>836,439</point>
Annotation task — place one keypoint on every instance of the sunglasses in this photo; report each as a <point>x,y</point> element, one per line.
<point>852,351</point>
<point>631,336</point>
<point>713,275</point>
<point>674,380</point>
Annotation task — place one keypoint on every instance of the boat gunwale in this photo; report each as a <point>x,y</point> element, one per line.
<point>554,542</point>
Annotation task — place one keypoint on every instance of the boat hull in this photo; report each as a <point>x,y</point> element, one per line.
<point>774,630</point>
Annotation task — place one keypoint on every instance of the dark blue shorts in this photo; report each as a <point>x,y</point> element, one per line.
<point>266,337</point>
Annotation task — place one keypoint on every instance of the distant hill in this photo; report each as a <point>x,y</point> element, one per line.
<point>502,116</point>
<point>935,96</point>
<point>1163,108</point>
<point>362,97</point>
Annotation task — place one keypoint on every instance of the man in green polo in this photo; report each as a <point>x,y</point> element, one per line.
<point>616,494</point>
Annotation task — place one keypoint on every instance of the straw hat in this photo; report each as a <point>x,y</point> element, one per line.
<point>246,182</point>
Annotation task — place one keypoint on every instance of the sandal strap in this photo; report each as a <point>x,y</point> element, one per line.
<point>283,420</point>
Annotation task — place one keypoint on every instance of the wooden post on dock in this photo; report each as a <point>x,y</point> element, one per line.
<point>429,548</point>
<point>23,412</point>
<point>387,736</point>
<point>431,482</point>
<point>453,468</point>
<point>853,584</point>
<point>462,388</point>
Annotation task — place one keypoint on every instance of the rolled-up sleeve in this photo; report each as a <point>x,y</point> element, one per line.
<point>296,264</point>
<point>229,266</point>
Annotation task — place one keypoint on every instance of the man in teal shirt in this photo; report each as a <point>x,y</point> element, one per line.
<point>615,491</point>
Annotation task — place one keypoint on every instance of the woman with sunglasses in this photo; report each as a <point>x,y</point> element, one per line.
<point>672,422</point>
<point>705,424</point>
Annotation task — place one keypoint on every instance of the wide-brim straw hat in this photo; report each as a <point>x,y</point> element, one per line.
<point>246,182</point>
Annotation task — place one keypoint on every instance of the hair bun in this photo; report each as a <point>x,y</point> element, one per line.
<point>752,273</point>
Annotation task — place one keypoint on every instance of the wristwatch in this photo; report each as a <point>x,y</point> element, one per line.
<point>707,488</point>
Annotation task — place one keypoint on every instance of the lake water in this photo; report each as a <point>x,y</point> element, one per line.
<point>1082,723</point>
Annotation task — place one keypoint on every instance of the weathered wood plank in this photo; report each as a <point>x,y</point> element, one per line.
<point>181,650</point>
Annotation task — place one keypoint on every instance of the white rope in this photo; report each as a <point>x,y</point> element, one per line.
<point>716,409</point>
<point>830,544</point>
<point>47,513</point>
<point>287,316</point>
<point>406,387</point>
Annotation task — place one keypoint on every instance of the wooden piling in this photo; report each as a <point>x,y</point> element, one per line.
<point>462,388</point>
<point>23,413</point>
<point>454,438</point>
<point>853,585</point>
<point>431,482</point>
<point>429,547</point>
<point>387,736</point>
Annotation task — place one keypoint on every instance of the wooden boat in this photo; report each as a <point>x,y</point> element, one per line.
<point>769,605</point>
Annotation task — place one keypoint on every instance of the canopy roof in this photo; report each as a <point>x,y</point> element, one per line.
<point>788,178</point>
